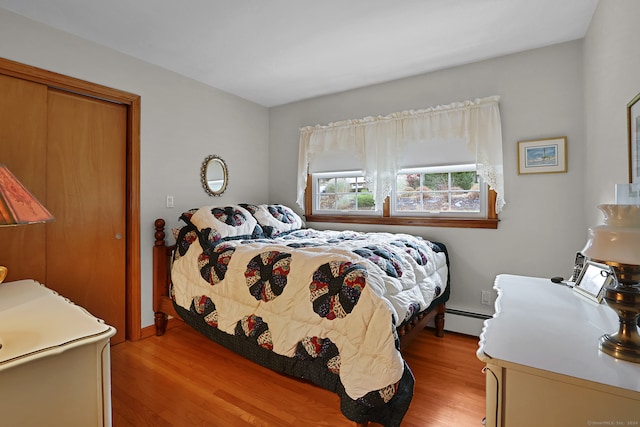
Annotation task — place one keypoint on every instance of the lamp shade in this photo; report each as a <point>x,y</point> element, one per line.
<point>618,239</point>
<point>17,204</point>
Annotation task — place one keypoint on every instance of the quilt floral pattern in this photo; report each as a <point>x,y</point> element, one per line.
<point>326,298</point>
<point>336,288</point>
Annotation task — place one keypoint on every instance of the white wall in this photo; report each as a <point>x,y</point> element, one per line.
<point>182,122</point>
<point>611,80</point>
<point>542,226</point>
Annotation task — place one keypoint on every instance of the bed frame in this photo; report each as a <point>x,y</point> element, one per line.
<point>163,304</point>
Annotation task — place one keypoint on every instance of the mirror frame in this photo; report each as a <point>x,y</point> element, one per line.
<point>203,175</point>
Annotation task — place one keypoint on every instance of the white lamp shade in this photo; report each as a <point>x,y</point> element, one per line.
<point>618,239</point>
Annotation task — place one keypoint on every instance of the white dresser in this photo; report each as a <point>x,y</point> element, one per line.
<point>54,360</point>
<point>543,365</point>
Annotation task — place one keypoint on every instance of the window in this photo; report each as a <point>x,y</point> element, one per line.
<point>342,193</point>
<point>390,152</point>
<point>438,191</point>
<point>447,196</point>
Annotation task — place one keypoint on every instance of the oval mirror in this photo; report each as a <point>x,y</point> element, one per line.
<point>214,175</point>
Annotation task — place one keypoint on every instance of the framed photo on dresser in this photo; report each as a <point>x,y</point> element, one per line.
<point>593,279</point>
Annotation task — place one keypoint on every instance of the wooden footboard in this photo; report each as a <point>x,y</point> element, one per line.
<point>163,305</point>
<point>409,331</point>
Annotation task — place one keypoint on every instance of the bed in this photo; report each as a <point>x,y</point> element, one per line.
<point>331,307</point>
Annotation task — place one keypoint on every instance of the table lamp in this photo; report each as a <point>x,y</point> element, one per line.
<point>18,206</point>
<point>617,244</point>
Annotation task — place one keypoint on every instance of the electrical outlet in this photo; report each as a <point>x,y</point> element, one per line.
<point>169,201</point>
<point>486,298</point>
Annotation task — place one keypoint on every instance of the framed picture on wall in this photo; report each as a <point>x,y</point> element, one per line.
<point>633,123</point>
<point>542,155</point>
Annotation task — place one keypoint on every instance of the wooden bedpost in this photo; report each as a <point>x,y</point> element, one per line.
<point>160,274</point>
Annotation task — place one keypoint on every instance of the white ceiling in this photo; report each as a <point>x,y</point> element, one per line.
<point>274,52</point>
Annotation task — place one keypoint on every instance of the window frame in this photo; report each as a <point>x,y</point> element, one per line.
<point>490,222</point>
<point>481,214</point>
<point>334,175</point>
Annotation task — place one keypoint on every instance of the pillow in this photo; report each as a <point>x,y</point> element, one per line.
<point>228,222</point>
<point>186,216</point>
<point>276,219</point>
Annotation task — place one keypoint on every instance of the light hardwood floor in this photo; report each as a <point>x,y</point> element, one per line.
<point>183,379</point>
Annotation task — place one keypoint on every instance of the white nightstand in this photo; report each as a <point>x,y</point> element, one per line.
<point>543,365</point>
<point>54,360</point>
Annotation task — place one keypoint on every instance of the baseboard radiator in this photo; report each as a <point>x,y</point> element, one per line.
<point>467,314</point>
<point>464,322</point>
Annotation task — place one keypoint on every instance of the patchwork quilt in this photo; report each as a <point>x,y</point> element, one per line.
<point>320,305</point>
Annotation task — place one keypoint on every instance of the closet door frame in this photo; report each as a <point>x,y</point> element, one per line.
<point>132,102</point>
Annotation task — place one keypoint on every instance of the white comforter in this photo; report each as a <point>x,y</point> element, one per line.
<point>311,283</point>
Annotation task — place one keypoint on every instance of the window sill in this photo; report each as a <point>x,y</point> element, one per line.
<point>491,223</point>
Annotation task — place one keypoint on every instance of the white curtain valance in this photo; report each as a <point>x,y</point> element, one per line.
<point>379,142</point>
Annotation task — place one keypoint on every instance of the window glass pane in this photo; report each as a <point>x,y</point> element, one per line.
<point>436,181</point>
<point>435,201</point>
<point>408,181</point>
<point>408,201</point>
<point>362,186</point>
<point>365,202</point>
<point>465,201</point>
<point>343,185</point>
<point>326,185</point>
<point>327,201</point>
<point>326,193</point>
<point>463,180</point>
<point>346,201</point>
<point>469,199</point>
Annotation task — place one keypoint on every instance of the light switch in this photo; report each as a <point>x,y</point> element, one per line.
<point>169,201</point>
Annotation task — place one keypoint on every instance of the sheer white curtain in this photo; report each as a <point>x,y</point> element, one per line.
<point>378,142</point>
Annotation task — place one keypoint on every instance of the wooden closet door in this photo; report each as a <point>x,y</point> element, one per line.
<point>23,132</point>
<point>86,181</point>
